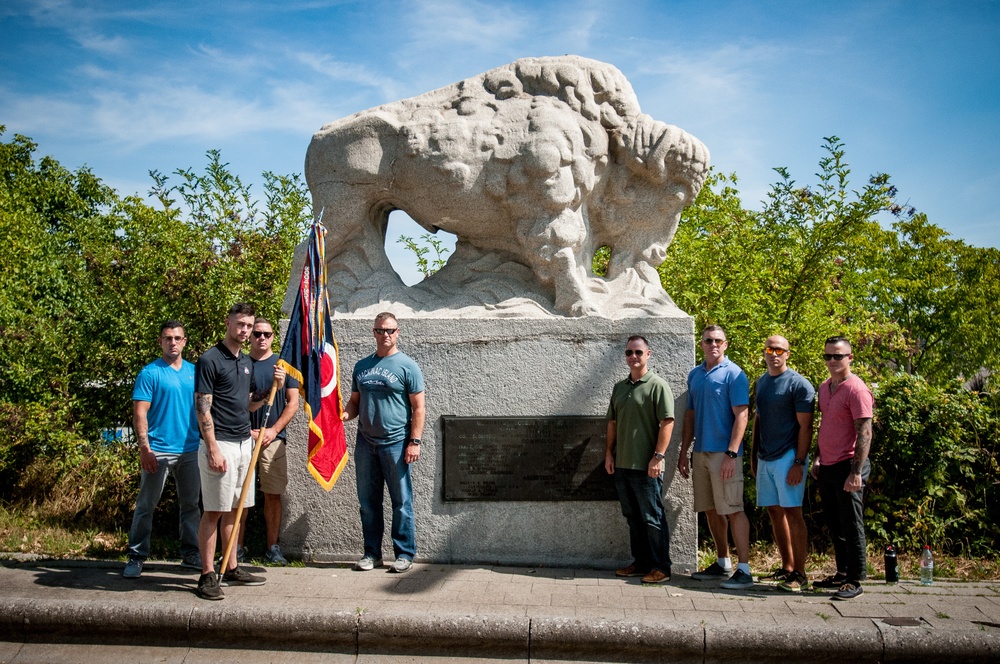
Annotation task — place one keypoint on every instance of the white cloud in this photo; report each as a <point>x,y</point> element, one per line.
<point>471,24</point>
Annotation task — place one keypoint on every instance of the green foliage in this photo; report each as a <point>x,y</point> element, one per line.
<point>795,268</point>
<point>944,294</point>
<point>86,281</point>
<point>91,276</point>
<point>934,465</point>
<point>426,266</point>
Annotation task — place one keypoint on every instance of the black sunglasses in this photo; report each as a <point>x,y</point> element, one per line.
<point>637,353</point>
<point>257,334</point>
<point>835,356</point>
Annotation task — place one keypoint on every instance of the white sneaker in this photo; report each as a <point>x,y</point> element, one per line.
<point>401,565</point>
<point>273,556</point>
<point>367,564</point>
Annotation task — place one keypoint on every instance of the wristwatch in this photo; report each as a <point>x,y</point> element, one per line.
<point>800,462</point>
<point>657,456</point>
<point>731,454</point>
<point>414,441</point>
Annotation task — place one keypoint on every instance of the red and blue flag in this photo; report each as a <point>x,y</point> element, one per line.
<point>310,355</point>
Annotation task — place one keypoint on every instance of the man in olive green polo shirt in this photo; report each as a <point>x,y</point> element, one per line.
<point>640,422</point>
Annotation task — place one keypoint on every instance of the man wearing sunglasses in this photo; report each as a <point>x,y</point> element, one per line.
<point>640,422</point>
<point>782,434</point>
<point>167,431</point>
<point>715,421</point>
<point>387,397</point>
<point>272,464</point>
<point>842,467</point>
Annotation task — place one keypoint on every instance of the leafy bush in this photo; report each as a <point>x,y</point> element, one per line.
<point>934,467</point>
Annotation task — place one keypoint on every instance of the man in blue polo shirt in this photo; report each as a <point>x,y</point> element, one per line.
<point>165,427</point>
<point>715,421</point>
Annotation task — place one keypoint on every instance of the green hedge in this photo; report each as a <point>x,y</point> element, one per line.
<point>934,467</point>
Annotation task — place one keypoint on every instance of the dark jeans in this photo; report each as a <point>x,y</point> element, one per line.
<point>844,514</point>
<point>641,498</point>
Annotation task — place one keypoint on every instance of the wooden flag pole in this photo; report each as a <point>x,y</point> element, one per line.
<point>247,482</point>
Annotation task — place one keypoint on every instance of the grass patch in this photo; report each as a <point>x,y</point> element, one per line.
<point>764,557</point>
<point>27,530</point>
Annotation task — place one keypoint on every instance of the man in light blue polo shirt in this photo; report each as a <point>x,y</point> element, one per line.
<point>165,427</point>
<point>715,420</point>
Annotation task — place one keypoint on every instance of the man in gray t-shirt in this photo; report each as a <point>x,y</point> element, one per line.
<point>387,397</point>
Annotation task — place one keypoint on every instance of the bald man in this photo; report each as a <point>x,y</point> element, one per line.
<point>782,434</point>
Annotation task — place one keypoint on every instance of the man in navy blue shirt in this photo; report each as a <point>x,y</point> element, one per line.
<point>782,434</point>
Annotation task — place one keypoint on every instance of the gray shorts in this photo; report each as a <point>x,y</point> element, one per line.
<point>220,492</point>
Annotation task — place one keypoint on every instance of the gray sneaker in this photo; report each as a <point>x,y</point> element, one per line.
<point>273,556</point>
<point>367,564</point>
<point>713,572</point>
<point>740,580</point>
<point>192,561</point>
<point>401,565</point>
<point>133,568</point>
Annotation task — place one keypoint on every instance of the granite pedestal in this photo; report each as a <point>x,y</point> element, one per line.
<point>499,368</point>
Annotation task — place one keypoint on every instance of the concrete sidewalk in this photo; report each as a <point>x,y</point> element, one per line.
<point>330,613</point>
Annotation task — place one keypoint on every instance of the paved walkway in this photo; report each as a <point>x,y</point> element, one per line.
<point>330,613</point>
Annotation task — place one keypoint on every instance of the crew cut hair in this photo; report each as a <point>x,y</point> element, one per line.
<point>637,337</point>
<point>839,340</point>
<point>171,324</point>
<point>242,309</point>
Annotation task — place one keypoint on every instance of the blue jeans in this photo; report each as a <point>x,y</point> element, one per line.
<point>185,470</point>
<point>377,466</point>
<point>641,498</point>
<point>844,513</point>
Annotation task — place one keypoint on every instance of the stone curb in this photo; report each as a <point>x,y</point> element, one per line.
<point>514,637</point>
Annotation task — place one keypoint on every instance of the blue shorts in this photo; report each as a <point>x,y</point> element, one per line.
<point>772,482</point>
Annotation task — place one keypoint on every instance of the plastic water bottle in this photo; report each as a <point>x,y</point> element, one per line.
<point>891,570</point>
<point>926,567</point>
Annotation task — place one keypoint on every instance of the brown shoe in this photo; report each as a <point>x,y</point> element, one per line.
<point>656,576</point>
<point>630,570</point>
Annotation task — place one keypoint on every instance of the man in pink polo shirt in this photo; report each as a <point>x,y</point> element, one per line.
<point>842,466</point>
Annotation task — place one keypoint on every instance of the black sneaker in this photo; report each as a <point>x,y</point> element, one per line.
<point>778,575</point>
<point>848,591</point>
<point>209,588</point>
<point>714,572</point>
<point>832,581</point>
<point>240,577</point>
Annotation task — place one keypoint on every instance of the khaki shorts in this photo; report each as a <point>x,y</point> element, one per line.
<point>273,467</point>
<point>710,492</point>
<point>220,492</point>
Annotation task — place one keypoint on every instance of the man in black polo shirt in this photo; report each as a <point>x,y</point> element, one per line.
<point>223,402</point>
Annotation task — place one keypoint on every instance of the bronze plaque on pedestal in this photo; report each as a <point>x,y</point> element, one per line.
<point>525,458</point>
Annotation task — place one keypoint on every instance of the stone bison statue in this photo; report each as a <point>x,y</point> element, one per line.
<point>533,166</point>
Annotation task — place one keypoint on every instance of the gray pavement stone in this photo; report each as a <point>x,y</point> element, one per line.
<point>328,607</point>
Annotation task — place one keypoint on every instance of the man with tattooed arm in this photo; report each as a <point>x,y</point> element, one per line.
<point>842,467</point>
<point>223,403</point>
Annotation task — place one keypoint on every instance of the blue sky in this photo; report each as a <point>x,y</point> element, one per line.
<point>912,88</point>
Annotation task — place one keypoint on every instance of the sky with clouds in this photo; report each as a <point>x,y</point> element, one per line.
<point>911,87</point>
